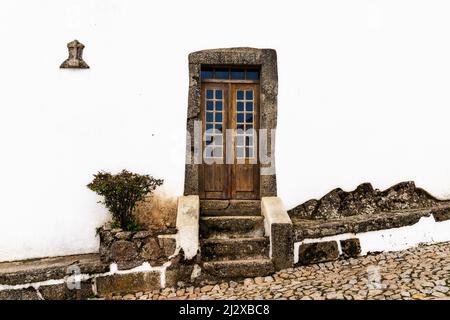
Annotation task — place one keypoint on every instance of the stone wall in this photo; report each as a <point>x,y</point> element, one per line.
<point>365,200</point>
<point>130,249</point>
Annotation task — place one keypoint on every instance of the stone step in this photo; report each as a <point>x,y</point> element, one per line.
<point>234,249</point>
<point>230,207</point>
<point>239,268</point>
<point>223,227</point>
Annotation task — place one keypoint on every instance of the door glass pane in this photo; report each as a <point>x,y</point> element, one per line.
<point>252,74</point>
<point>207,73</point>
<point>222,73</point>
<point>237,74</point>
<point>214,123</point>
<point>245,121</point>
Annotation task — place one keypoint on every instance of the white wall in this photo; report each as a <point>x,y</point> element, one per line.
<point>363,97</point>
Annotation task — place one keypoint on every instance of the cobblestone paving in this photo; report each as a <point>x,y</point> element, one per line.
<point>418,273</point>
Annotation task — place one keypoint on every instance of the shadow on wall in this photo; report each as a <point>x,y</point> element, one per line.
<point>365,200</point>
<point>157,212</point>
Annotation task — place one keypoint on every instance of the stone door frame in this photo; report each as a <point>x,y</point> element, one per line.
<point>266,59</point>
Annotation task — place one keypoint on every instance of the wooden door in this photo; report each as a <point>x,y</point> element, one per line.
<point>230,122</point>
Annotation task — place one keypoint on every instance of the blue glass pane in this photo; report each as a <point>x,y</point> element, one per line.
<point>209,117</point>
<point>249,118</point>
<point>249,95</point>
<point>218,128</point>
<point>249,106</point>
<point>209,105</point>
<point>218,94</point>
<point>222,74</point>
<point>248,127</point>
<point>219,105</point>
<point>252,75</point>
<point>240,95</point>
<point>240,127</point>
<point>240,106</point>
<point>237,74</point>
<point>206,74</point>
<point>209,126</point>
<point>218,117</point>
<point>240,117</point>
<point>209,94</point>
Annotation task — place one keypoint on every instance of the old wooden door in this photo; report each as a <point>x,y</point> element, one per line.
<point>230,122</point>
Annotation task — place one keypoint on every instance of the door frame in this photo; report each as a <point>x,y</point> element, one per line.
<point>266,61</point>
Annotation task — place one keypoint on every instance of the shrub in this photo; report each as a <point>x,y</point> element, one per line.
<point>121,192</point>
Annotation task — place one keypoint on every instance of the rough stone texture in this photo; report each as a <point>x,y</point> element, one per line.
<point>309,253</point>
<point>230,207</point>
<point>62,292</point>
<point>131,249</point>
<point>365,200</point>
<point>267,59</point>
<point>441,214</point>
<point>131,282</point>
<point>75,59</point>
<point>151,249</point>
<point>168,245</point>
<point>311,229</point>
<point>419,273</point>
<point>35,270</point>
<point>20,294</point>
<point>351,248</point>
<point>239,268</point>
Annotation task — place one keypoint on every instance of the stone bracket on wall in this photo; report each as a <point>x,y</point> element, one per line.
<point>188,215</point>
<point>278,227</point>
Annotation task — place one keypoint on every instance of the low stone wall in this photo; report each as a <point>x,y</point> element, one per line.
<point>130,249</point>
<point>320,241</point>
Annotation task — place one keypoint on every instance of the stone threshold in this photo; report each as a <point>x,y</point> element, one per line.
<point>311,229</point>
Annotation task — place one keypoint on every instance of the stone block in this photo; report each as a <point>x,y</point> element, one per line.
<point>309,253</point>
<point>279,227</point>
<point>441,214</point>
<point>351,248</point>
<point>63,292</point>
<point>19,294</point>
<point>168,245</point>
<point>128,283</point>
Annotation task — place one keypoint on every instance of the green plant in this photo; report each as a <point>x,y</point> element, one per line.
<point>120,194</point>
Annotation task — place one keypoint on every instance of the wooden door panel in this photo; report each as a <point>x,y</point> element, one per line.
<point>214,179</point>
<point>245,120</point>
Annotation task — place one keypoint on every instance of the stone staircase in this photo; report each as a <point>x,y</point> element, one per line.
<point>232,239</point>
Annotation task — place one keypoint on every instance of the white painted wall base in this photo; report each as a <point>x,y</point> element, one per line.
<point>426,230</point>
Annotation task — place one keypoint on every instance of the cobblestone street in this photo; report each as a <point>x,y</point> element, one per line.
<point>418,273</point>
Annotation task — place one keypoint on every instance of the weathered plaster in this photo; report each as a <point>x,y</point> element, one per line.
<point>188,215</point>
<point>278,227</point>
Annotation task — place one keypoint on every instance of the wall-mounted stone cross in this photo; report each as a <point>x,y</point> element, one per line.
<point>75,59</point>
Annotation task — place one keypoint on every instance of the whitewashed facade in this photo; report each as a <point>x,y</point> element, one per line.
<point>363,97</point>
